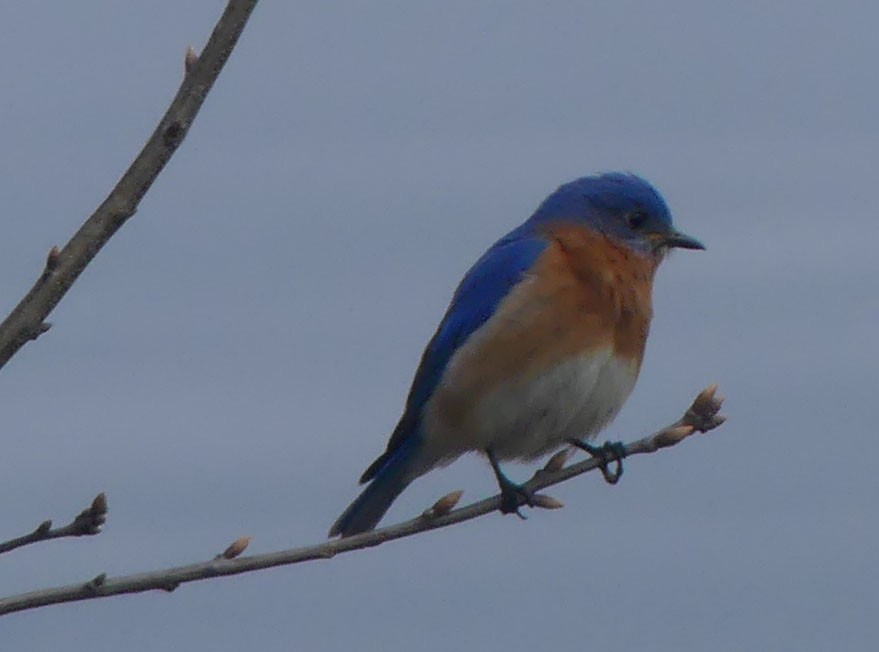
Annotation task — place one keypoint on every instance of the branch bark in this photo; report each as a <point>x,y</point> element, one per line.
<point>88,522</point>
<point>702,416</point>
<point>27,321</point>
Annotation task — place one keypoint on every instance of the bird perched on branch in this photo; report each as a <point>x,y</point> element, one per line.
<point>540,347</point>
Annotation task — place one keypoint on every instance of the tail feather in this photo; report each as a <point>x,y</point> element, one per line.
<point>389,482</point>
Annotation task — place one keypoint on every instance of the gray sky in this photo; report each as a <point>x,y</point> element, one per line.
<point>241,350</point>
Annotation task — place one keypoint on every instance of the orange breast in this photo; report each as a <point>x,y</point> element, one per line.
<point>587,300</point>
<point>606,279</point>
<point>584,295</point>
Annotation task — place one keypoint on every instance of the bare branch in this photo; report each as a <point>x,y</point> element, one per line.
<point>702,416</point>
<point>88,522</point>
<point>26,321</point>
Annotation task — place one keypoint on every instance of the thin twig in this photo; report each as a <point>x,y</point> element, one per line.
<point>702,416</point>
<point>88,522</point>
<point>27,321</point>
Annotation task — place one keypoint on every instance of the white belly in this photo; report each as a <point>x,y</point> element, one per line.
<point>526,418</point>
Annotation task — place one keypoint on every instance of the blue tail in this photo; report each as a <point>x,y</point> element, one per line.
<point>388,483</point>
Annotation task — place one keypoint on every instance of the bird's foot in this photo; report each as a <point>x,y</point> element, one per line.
<point>610,451</point>
<point>514,496</point>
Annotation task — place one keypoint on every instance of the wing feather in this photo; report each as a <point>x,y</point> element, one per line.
<point>500,269</point>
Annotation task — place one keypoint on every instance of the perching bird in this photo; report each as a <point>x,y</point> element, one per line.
<point>541,345</point>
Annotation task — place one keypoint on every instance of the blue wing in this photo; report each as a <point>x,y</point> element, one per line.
<point>475,300</point>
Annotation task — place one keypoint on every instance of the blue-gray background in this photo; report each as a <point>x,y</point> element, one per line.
<point>239,352</point>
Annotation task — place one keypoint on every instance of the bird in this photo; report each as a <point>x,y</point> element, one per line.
<point>540,346</point>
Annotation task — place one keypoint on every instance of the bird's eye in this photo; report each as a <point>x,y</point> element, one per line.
<point>637,219</point>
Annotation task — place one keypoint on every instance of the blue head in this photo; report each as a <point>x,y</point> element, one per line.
<point>622,206</point>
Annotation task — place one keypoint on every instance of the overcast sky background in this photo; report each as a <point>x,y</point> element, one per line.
<point>239,352</point>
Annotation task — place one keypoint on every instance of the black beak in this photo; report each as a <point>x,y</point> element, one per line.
<point>682,241</point>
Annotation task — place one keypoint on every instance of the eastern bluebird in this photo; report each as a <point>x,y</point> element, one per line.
<point>541,345</point>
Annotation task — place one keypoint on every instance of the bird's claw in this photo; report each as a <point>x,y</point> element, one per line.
<point>610,451</point>
<point>514,496</point>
